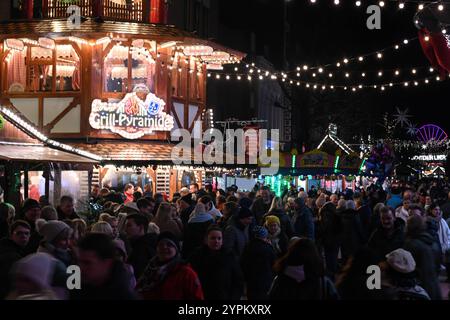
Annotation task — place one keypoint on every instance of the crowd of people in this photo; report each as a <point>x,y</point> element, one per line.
<point>231,245</point>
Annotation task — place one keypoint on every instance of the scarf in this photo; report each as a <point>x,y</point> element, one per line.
<point>156,273</point>
<point>275,241</point>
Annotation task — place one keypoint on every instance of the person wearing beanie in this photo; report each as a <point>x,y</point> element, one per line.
<point>167,277</point>
<point>56,242</point>
<point>195,231</point>
<point>31,211</point>
<point>400,276</point>
<point>121,254</point>
<point>277,237</point>
<point>257,262</point>
<point>32,278</point>
<point>186,206</point>
<point>237,232</point>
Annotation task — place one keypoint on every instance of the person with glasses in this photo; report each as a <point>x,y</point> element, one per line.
<point>12,249</point>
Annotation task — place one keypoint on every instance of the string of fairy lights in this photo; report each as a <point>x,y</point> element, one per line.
<point>400,4</point>
<point>322,75</point>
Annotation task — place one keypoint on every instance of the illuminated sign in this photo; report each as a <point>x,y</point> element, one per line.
<point>430,157</point>
<point>132,117</point>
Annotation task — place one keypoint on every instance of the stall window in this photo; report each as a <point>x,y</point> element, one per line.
<point>178,79</point>
<point>117,69</point>
<point>195,80</point>
<point>143,70</point>
<point>67,69</point>
<point>32,69</point>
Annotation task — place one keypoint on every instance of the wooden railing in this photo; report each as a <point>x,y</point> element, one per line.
<point>138,11</point>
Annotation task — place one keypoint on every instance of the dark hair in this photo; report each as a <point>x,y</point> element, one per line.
<point>137,195</point>
<point>205,199</point>
<point>100,243</point>
<point>143,203</point>
<point>127,186</point>
<point>431,207</point>
<point>302,252</point>
<point>208,187</point>
<point>139,219</point>
<point>150,199</point>
<point>65,199</point>
<point>387,209</point>
<point>211,228</point>
<point>18,223</point>
<point>417,207</point>
<point>221,199</point>
<point>232,199</point>
<point>194,184</point>
<point>222,192</point>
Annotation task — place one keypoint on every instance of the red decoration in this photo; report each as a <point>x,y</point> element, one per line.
<point>436,50</point>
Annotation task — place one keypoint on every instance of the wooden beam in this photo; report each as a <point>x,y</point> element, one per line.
<point>41,113</point>
<point>199,112</point>
<point>72,105</point>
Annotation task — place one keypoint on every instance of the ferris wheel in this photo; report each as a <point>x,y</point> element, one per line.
<point>431,133</point>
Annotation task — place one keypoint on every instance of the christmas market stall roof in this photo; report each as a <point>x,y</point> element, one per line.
<point>147,153</point>
<point>21,142</point>
<point>89,28</point>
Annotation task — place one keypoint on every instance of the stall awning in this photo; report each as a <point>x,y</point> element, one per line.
<point>129,151</point>
<point>38,153</point>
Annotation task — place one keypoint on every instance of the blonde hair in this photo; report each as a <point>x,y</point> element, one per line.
<point>163,214</point>
<point>102,227</point>
<point>79,228</point>
<point>320,202</point>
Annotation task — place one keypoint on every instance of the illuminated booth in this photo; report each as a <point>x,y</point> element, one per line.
<point>115,83</point>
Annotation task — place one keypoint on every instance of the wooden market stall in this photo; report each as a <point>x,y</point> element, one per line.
<point>114,80</point>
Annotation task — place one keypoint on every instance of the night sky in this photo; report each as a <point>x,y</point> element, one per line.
<point>324,33</point>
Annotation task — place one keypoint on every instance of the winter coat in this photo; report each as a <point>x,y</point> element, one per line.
<point>259,209</point>
<point>395,201</point>
<point>444,235</point>
<point>427,256</point>
<point>330,225</point>
<point>117,287</point>
<point>285,222</point>
<point>62,217</point>
<point>364,214</point>
<point>185,214</point>
<point>219,272</point>
<point>285,287</point>
<point>257,264</point>
<point>236,236</point>
<point>280,243</point>
<point>143,249</point>
<point>303,222</point>
<point>63,260</point>
<point>179,282</point>
<point>352,235</point>
<point>10,253</point>
<point>382,244</point>
<point>194,236</point>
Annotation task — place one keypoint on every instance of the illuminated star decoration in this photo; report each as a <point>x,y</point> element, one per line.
<point>412,130</point>
<point>402,117</point>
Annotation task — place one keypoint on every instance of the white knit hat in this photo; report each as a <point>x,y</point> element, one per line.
<point>401,261</point>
